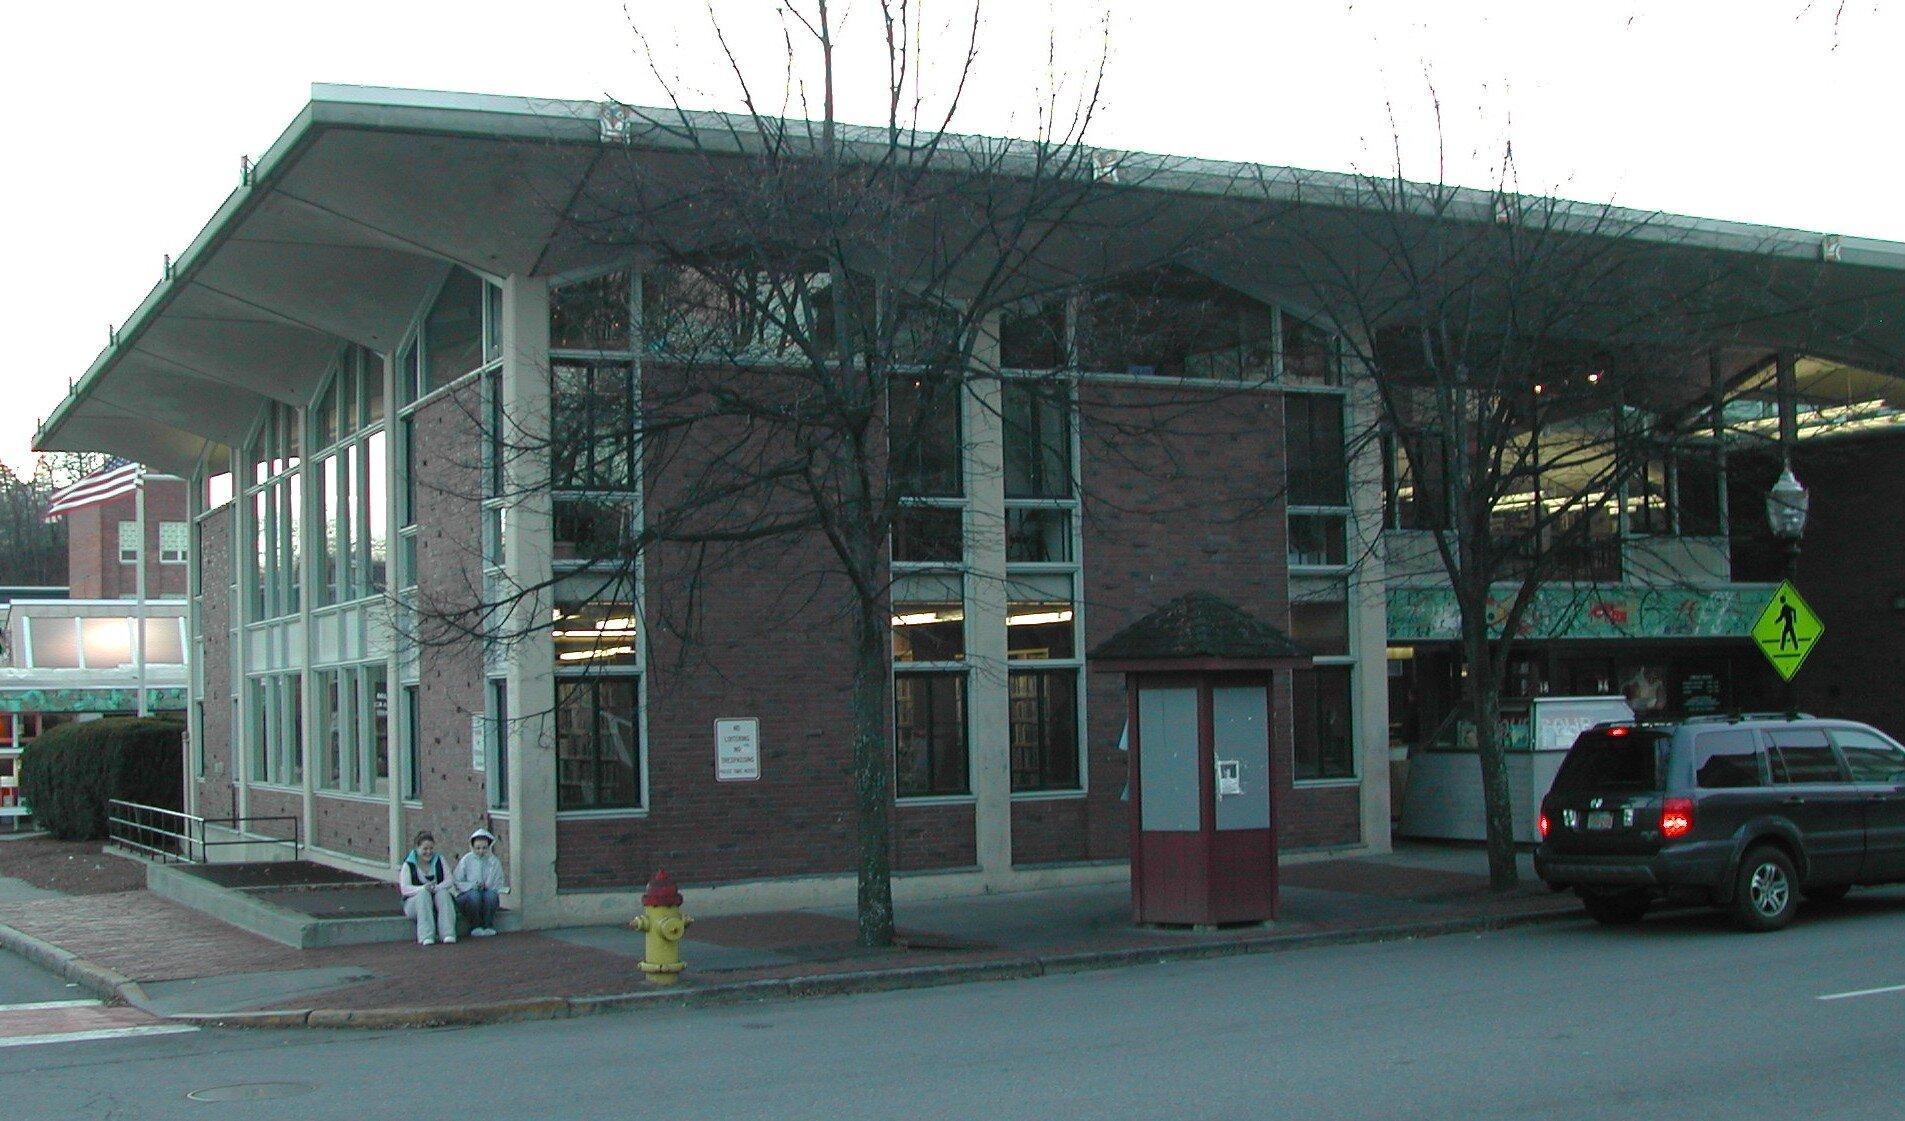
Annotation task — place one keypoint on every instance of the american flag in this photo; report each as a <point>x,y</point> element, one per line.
<point>117,477</point>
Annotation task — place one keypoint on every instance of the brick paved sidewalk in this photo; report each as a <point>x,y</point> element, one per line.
<point>186,962</point>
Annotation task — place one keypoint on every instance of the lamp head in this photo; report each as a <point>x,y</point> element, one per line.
<point>1786,507</point>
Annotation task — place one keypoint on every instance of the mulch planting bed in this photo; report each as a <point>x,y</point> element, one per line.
<point>73,867</point>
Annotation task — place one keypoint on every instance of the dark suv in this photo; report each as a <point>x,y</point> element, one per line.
<point>1745,814</point>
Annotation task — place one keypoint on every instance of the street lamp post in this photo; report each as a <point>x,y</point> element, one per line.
<point>1786,517</point>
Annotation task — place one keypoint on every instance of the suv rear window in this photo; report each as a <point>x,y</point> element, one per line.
<point>1728,760</point>
<point>1873,758</point>
<point>1804,755</point>
<point>1612,759</point>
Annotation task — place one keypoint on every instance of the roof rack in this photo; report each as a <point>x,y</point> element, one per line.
<point>1737,717</point>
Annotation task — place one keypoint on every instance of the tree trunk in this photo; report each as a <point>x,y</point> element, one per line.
<point>1484,702</point>
<point>872,774</point>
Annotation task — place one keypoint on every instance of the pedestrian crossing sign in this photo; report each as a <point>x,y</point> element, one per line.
<point>1787,630</point>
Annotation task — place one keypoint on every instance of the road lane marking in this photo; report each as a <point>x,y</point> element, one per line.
<point>78,1021</point>
<point>1862,992</point>
<point>102,1033</point>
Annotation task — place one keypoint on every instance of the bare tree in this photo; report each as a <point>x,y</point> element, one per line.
<point>1533,364</point>
<point>818,303</point>
<point>32,550</point>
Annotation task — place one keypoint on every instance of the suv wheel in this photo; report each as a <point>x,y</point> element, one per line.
<point>1765,890</point>
<point>1622,908</point>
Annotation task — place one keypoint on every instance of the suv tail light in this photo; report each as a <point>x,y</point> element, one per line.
<point>1542,826</point>
<point>1676,817</point>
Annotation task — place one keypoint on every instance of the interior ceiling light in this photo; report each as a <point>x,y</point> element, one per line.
<point>585,655</point>
<point>1035,618</point>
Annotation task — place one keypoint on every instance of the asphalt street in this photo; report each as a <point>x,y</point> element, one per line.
<point>23,982</point>
<point>1682,1017</point>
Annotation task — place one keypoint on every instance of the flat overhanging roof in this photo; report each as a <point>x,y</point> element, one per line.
<point>349,220</point>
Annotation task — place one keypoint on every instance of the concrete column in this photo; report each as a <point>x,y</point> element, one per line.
<point>988,724</point>
<point>395,716</point>
<point>194,624</point>
<point>310,574</point>
<point>527,564</point>
<point>1368,608</point>
<point>244,555</point>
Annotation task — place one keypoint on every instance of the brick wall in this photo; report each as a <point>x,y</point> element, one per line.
<point>93,568</point>
<point>934,837</point>
<point>455,796</point>
<point>757,629</point>
<point>352,825</point>
<point>277,803</point>
<point>1182,492</point>
<point>768,641</point>
<point>761,630</point>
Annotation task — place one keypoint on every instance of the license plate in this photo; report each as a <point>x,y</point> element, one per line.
<point>1600,819</point>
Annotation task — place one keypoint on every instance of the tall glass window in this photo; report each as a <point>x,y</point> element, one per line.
<point>274,495</point>
<point>924,434</point>
<point>592,421</point>
<point>1038,439</point>
<point>354,729</point>
<point>1044,729</point>
<point>929,741</point>
<point>598,744</point>
<point>1324,745</point>
<point>1174,323</point>
<point>353,516</point>
<point>453,331</point>
<point>499,744</point>
<point>276,702</point>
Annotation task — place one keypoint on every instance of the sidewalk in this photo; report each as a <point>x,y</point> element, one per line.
<point>167,959</point>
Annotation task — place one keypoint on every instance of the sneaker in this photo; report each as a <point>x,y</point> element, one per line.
<point>448,939</point>
<point>481,932</point>
<point>426,941</point>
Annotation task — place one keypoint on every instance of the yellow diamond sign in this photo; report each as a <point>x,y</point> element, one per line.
<point>1787,630</point>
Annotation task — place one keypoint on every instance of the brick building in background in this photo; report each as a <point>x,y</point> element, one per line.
<point>403,287</point>
<point>102,540</point>
<point>73,657</point>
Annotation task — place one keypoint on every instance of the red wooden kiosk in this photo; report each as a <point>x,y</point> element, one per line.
<point>1201,683</point>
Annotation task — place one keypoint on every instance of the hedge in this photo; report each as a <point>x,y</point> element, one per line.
<point>68,774</point>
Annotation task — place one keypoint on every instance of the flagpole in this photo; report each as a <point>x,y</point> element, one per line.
<point>139,633</point>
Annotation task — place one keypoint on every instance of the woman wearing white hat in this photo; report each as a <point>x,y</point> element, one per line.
<point>479,884</point>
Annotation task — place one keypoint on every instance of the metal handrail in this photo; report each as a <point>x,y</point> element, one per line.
<point>249,836</point>
<point>171,835</point>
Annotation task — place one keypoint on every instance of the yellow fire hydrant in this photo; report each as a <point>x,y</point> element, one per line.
<point>664,924</point>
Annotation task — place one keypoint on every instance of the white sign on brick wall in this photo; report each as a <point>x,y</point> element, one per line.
<point>479,741</point>
<point>737,750</point>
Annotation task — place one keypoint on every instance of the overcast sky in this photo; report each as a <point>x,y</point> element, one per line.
<point>125,122</point>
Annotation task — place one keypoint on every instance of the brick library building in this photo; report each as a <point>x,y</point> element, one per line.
<point>348,364</point>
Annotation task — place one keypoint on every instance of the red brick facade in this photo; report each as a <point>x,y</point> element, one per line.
<point>450,691</point>
<point>762,632</point>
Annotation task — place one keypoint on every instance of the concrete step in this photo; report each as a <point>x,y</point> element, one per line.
<point>324,914</point>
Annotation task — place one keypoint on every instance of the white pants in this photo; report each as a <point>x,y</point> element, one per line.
<point>435,912</point>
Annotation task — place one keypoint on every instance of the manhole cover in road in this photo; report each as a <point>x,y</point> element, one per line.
<point>251,1092</point>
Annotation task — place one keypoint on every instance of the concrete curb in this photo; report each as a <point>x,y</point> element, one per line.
<point>863,981</point>
<point>104,983</point>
